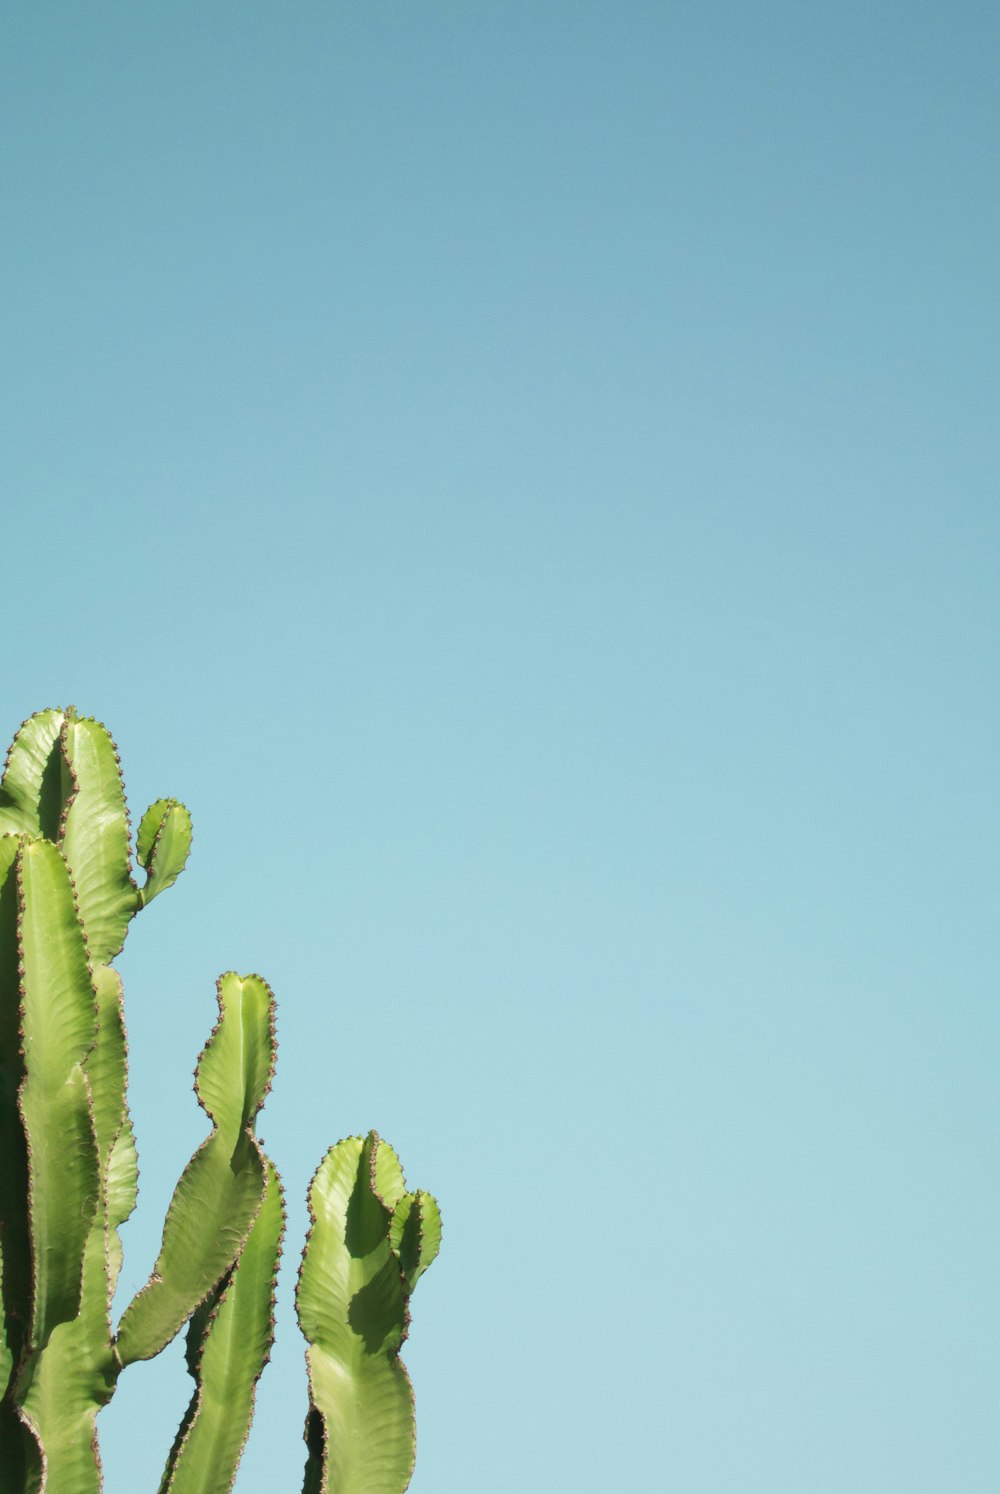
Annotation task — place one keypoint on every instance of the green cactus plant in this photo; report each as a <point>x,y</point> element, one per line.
<point>68,1175</point>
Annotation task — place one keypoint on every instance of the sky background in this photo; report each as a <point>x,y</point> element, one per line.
<point>526,476</point>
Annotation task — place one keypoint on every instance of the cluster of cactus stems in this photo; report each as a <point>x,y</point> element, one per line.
<point>68,1176</point>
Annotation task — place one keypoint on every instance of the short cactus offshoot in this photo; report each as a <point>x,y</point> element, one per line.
<point>68,1175</point>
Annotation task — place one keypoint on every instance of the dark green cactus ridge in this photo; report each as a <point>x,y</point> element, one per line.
<point>68,1175</point>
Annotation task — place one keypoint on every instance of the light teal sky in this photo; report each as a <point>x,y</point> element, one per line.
<point>526,474</point>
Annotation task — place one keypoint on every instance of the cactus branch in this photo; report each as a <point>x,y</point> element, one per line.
<point>222,1187</point>
<point>352,1304</point>
<point>163,844</point>
<point>229,1341</point>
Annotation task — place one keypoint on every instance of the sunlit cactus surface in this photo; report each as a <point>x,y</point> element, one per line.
<point>68,1175</point>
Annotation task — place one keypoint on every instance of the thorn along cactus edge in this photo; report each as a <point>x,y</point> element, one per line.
<point>68,1176</point>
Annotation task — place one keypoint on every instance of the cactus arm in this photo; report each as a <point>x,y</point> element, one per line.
<point>95,837</point>
<point>59,1026</point>
<point>73,1378</point>
<point>49,1023</point>
<point>229,1341</point>
<point>62,1051</point>
<point>163,844</point>
<point>33,790</point>
<point>222,1187</point>
<point>415,1227</point>
<point>415,1235</point>
<point>76,1374</point>
<point>352,1309</point>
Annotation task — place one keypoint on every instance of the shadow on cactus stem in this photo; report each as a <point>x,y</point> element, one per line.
<point>68,1176</point>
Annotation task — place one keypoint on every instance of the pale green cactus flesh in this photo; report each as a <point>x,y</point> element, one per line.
<point>352,1302</point>
<point>162,846</point>
<point>36,779</point>
<point>68,1175</point>
<point>222,1187</point>
<point>229,1341</point>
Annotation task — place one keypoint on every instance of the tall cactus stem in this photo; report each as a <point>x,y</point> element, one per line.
<point>353,1306</point>
<point>229,1343</point>
<point>222,1188</point>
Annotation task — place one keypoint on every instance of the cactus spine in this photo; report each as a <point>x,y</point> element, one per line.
<point>68,1175</point>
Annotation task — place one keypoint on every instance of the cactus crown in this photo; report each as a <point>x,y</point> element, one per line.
<point>68,1174</point>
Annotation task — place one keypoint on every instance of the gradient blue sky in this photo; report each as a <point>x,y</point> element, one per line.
<point>526,474</point>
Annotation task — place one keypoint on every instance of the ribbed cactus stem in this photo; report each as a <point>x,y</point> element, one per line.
<point>222,1188</point>
<point>352,1301</point>
<point>57,1017</point>
<point>163,844</point>
<point>228,1345</point>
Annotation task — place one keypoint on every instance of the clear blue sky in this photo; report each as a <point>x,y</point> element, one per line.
<point>527,476</point>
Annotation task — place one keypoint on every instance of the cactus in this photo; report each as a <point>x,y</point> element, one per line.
<point>68,1174</point>
<point>369,1242</point>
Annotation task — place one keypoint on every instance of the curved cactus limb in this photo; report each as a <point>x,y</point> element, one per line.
<point>222,1187</point>
<point>163,844</point>
<point>229,1341</point>
<point>415,1234</point>
<point>352,1305</point>
<point>415,1227</point>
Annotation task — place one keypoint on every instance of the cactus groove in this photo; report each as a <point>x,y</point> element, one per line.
<point>68,1174</point>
